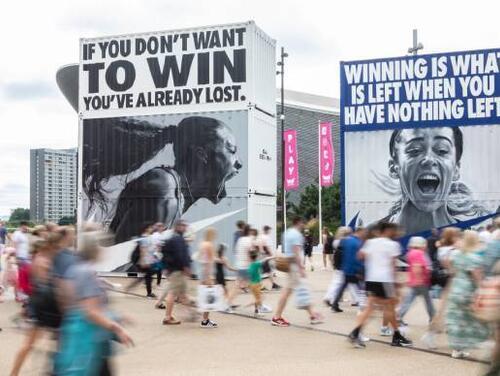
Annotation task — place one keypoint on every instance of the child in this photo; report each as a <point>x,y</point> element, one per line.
<point>221,262</point>
<point>254,273</point>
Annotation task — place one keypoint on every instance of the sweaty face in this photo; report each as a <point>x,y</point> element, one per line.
<point>425,163</point>
<point>224,163</point>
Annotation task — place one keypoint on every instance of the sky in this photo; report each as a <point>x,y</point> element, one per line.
<point>38,37</point>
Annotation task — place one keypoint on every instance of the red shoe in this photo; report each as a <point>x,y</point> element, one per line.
<point>279,321</point>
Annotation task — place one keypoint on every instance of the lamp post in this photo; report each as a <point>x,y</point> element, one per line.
<point>281,71</point>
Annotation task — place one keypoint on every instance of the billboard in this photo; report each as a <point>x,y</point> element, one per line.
<point>177,124</point>
<point>419,140</point>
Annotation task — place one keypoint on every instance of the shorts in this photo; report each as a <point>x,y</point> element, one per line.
<point>243,274</point>
<point>266,267</point>
<point>383,290</point>
<point>308,253</point>
<point>293,277</point>
<point>256,292</point>
<point>177,283</point>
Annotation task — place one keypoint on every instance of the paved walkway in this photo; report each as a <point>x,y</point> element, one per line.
<point>243,345</point>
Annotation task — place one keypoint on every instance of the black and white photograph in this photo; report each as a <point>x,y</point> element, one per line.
<point>422,178</point>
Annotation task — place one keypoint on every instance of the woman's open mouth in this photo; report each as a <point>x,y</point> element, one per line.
<point>428,183</point>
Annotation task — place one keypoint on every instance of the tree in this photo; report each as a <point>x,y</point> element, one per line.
<point>308,207</point>
<point>68,220</point>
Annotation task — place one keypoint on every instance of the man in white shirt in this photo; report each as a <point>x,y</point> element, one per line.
<point>21,242</point>
<point>379,255</point>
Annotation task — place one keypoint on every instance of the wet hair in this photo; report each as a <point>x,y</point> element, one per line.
<point>117,146</point>
<point>457,138</point>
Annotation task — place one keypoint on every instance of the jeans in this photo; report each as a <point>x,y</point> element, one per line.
<point>351,281</point>
<point>414,292</point>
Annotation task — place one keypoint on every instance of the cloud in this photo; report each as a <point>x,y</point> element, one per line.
<point>28,90</point>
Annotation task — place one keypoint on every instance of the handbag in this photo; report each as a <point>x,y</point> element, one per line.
<point>282,264</point>
<point>486,304</point>
<point>210,298</point>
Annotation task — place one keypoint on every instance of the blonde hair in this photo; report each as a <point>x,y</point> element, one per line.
<point>210,234</point>
<point>470,241</point>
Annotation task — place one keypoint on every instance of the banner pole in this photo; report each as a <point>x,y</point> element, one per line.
<point>320,224</point>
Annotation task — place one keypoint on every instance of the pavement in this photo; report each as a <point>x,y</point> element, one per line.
<point>244,345</point>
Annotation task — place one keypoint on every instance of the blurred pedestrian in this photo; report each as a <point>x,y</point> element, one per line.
<point>254,272</point>
<point>266,248</point>
<point>338,275</point>
<point>419,276</point>
<point>379,255</point>
<point>178,265</point>
<point>157,238</point>
<point>207,261</point>
<point>89,325</point>
<point>21,244</point>
<point>293,248</point>
<point>146,261</point>
<point>327,241</point>
<point>463,329</point>
<point>221,263</point>
<point>308,248</point>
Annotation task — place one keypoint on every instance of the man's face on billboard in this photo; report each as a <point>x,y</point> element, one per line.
<point>424,161</point>
<point>224,163</point>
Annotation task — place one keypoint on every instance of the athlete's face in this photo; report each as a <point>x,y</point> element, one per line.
<point>425,164</point>
<point>223,162</point>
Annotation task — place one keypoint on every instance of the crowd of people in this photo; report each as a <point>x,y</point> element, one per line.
<point>63,298</point>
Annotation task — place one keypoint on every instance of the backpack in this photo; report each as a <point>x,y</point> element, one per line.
<point>136,254</point>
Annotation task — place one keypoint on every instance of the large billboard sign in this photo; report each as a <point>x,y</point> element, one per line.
<point>174,125</point>
<point>419,138</point>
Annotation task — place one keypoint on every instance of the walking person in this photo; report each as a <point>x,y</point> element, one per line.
<point>146,261</point>
<point>293,248</point>
<point>419,276</point>
<point>89,326</point>
<point>266,248</point>
<point>327,241</point>
<point>351,267</point>
<point>21,244</point>
<point>463,329</point>
<point>254,272</point>
<point>178,265</point>
<point>244,245</point>
<point>207,260</point>
<point>221,263</point>
<point>308,248</point>
<point>157,238</point>
<point>338,275</point>
<point>379,255</point>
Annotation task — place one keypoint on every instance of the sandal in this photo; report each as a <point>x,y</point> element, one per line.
<point>160,306</point>
<point>170,321</point>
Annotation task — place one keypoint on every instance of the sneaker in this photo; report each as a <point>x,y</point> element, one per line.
<point>264,309</point>
<point>457,354</point>
<point>336,309</point>
<point>402,323</point>
<point>316,319</point>
<point>152,296</point>
<point>356,341</point>
<point>228,310</point>
<point>264,288</point>
<point>400,341</point>
<point>354,304</point>
<point>279,321</point>
<point>276,287</point>
<point>385,331</point>
<point>327,303</point>
<point>429,340</point>
<point>363,338</point>
<point>209,324</point>
<point>160,306</point>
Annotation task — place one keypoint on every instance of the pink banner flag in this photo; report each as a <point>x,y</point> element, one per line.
<point>326,153</point>
<point>291,172</point>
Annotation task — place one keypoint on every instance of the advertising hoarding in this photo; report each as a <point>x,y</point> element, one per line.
<point>175,124</point>
<point>418,138</point>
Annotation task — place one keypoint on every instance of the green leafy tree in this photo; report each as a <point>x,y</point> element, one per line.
<point>68,220</point>
<point>19,214</point>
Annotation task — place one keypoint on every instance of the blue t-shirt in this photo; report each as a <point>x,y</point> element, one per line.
<point>292,237</point>
<point>350,248</point>
<point>3,234</point>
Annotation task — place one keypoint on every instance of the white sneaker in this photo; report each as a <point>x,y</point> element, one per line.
<point>363,338</point>
<point>264,309</point>
<point>228,310</point>
<point>385,331</point>
<point>457,354</point>
<point>209,324</point>
<point>429,340</point>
